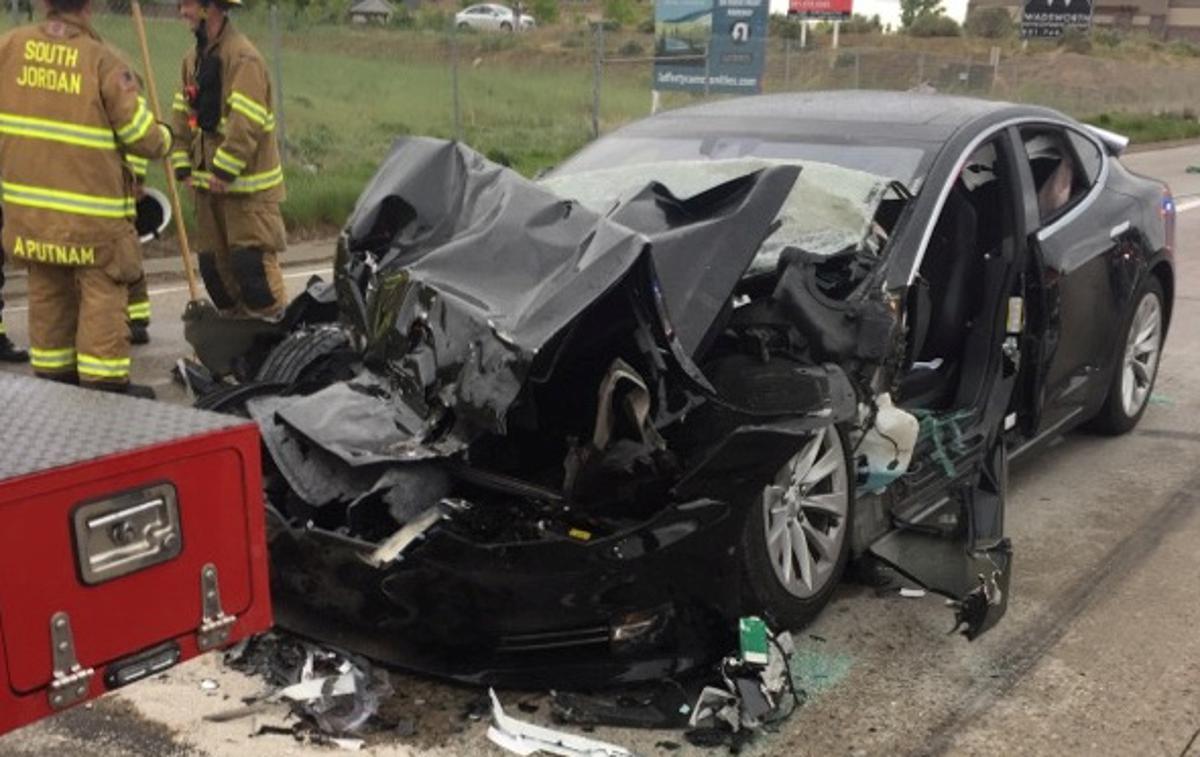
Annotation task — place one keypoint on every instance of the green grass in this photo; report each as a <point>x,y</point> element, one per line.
<point>525,100</point>
<point>348,93</point>
<point>1142,128</point>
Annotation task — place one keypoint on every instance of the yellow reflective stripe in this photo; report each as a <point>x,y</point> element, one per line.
<point>260,120</point>
<point>180,103</point>
<point>249,107</point>
<point>51,359</point>
<point>256,182</point>
<point>57,131</point>
<point>67,202</point>
<point>179,159</point>
<point>137,310</point>
<point>259,182</point>
<point>90,365</point>
<point>3,328</point>
<point>139,165</point>
<point>138,126</point>
<point>227,162</point>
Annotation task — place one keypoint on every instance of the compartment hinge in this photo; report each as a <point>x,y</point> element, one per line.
<point>71,680</point>
<point>214,623</point>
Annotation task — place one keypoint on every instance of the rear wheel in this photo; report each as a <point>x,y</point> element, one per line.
<point>1137,366</point>
<point>797,536</point>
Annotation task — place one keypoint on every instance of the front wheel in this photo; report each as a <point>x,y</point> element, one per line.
<point>797,537</point>
<point>506,27</point>
<point>1137,366</point>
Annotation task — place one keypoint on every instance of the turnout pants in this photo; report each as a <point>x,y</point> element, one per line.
<point>239,239</point>
<point>138,310</point>
<point>77,325</point>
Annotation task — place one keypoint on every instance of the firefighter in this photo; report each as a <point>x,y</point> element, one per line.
<point>70,109</point>
<point>9,352</point>
<point>227,152</point>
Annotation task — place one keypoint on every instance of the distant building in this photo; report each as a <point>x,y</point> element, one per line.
<point>371,12</point>
<point>1167,19</point>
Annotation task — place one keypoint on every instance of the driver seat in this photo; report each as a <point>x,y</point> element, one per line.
<point>943,310</point>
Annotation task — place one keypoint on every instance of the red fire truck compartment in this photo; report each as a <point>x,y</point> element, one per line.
<point>131,539</point>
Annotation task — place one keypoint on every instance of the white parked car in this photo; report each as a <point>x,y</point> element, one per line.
<point>491,17</point>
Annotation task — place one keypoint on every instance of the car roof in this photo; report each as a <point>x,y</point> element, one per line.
<point>929,115</point>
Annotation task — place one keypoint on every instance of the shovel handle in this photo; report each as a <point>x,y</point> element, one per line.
<point>185,250</point>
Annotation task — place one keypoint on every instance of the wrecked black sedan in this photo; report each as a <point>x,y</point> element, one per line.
<point>566,432</point>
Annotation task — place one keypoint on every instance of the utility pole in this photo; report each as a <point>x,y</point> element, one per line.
<point>787,64</point>
<point>597,76</point>
<point>277,56</point>
<point>707,67</point>
<point>457,115</point>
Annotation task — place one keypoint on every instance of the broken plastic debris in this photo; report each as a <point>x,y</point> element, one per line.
<point>753,696</point>
<point>524,738</point>
<point>315,688</point>
<point>395,545</point>
<point>335,695</point>
<point>209,684</point>
<point>353,745</point>
<point>908,593</point>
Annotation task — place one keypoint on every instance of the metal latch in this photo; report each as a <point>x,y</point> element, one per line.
<point>127,532</point>
<point>71,681</point>
<point>214,623</point>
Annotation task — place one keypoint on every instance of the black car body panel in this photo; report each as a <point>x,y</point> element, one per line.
<point>538,464</point>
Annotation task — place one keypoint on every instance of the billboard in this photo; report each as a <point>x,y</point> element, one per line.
<point>1049,18</point>
<point>723,41</point>
<point>833,10</point>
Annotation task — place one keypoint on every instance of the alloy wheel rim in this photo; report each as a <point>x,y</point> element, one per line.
<point>805,513</point>
<point>1142,349</point>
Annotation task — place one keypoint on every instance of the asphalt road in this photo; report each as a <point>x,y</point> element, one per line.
<point>1099,653</point>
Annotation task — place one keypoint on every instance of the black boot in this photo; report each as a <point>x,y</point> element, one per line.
<point>9,352</point>
<point>139,333</point>
<point>140,391</point>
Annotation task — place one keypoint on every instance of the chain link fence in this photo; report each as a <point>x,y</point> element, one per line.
<point>1079,85</point>
<point>344,90</point>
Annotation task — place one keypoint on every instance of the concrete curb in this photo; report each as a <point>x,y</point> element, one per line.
<point>1169,144</point>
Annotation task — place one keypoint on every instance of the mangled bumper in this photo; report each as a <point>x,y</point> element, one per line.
<point>642,604</point>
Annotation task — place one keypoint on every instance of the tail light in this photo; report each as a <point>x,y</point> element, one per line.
<point>1167,211</point>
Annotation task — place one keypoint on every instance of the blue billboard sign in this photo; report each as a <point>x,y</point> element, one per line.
<point>717,46</point>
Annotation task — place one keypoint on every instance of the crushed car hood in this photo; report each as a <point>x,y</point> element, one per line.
<point>458,272</point>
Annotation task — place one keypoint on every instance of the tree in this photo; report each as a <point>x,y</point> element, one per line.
<point>934,25</point>
<point>990,23</point>
<point>545,11</point>
<point>910,10</point>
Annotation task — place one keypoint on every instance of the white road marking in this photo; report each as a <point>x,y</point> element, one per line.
<point>1184,207</point>
<point>173,290</point>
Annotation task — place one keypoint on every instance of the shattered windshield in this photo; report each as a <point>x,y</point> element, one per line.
<point>830,208</point>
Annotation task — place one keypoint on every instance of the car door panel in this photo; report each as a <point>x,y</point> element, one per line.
<point>1082,264</point>
<point>951,536</point>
